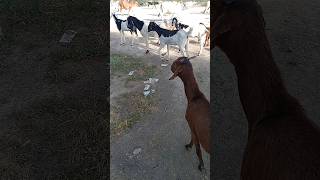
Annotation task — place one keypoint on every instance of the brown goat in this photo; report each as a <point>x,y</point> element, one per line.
<point>197,113</point>
<point>283,144</point>
<point>207,41</point>
<point>127,4</point>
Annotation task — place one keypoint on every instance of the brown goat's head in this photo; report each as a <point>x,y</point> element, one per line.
<point>180,65</point>
<point>235,23</point>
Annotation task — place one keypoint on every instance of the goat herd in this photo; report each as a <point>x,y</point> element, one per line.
<point>282,144</point>
<point>173,33</point>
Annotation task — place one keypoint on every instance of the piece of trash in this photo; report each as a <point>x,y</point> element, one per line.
<point>68,36</point>
<point>136,151</point>
<point>131,73</point>
<point>146,87</point>
<point>151,80</point>
<point>164,65</point>
<point>152,90</point>
<point>146,93</point>
<point>129,155</point>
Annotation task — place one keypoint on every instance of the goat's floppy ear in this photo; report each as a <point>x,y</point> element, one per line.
<point>175,74</point>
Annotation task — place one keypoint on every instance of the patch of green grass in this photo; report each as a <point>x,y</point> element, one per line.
<point>132,108</point>
<point>121,64</point>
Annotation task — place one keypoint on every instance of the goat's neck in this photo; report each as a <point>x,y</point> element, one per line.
<point>261,88</point>
<point>139,24</point>
<point>158,30</point>
<point>190,86</point>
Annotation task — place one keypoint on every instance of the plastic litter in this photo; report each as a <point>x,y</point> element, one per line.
<point>136,151</point>
<point>146,93</point>
<point>164,65</point>
<point>151,80</point>
<point>68,36</point>
<point>131,73</point>
<point>146,87</point>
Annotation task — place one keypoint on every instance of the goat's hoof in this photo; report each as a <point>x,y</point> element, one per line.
<point>188,147</point>
<point>201,167</point>
<point>147,51</point>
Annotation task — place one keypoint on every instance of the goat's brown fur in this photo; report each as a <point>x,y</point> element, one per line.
<point>283,144</point>
<point>197,113</point>
<point>127,4</point>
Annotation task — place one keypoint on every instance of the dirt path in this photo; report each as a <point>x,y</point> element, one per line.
<point>163,134</point>
<point>293,31</point>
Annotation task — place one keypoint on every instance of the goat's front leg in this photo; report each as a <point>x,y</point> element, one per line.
<point>202,43</point>
<point>183,51</point>
<point>147,44</point>
<point>199,154</point>
<point>168,52</point>
<point>159,50</point>
<point>131,38</point>
<point>189,146</point>
<point>122,38</point>
<point>187,48</point>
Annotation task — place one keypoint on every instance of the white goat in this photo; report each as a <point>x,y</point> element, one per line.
<point>199,31</point>
<point>175,37</point>
<point>122,26</point>
<point>142,26</point>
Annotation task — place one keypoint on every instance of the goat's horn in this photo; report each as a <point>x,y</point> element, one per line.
<point>192,57</point>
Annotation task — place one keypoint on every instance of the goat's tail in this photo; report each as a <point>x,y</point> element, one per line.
<point>207,29</point>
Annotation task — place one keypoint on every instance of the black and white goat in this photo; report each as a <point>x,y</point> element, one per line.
<point>199,30</point>
<point>175,37</point>
<point>178,25</point>
<point>122,26</point>
<point>142,26</point>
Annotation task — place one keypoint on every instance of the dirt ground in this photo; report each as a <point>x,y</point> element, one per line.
<point>160,135</point>
<point>293,31</point>
<point>53,97</point>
